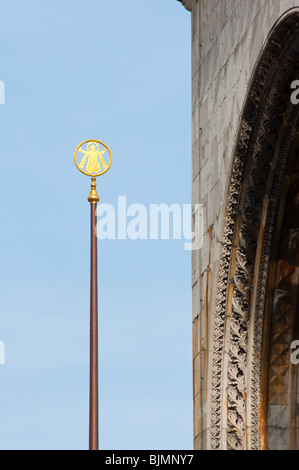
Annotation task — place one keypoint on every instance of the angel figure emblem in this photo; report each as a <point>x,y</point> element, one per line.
<point>93,163</point>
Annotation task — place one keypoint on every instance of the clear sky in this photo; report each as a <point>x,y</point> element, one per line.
<point>118,71</point>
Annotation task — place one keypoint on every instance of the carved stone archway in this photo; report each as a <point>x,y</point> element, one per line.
<point>245,326</point>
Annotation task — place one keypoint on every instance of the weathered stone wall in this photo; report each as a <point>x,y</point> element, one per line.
<point>228,37</point>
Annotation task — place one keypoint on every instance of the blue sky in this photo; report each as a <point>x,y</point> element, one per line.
<point>118,71</point>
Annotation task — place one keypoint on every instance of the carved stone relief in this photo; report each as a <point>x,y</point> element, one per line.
<point>260,163</point>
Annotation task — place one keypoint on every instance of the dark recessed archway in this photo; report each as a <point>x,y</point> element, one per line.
<point>282,316</point>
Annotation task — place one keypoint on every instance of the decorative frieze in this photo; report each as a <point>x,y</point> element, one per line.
<point>256,178</point>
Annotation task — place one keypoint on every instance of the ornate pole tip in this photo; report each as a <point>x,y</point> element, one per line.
<point>93,197</point>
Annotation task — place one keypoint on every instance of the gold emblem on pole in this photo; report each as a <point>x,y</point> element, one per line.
<point>95,161</point>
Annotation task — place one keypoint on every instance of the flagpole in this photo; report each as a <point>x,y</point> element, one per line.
<point>93,164</point>
<point>93,393</point>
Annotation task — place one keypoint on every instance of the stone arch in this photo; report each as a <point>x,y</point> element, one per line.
<point>242,331</point>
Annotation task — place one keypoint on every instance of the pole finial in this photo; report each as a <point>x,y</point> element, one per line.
<point>93,197</point>
<point>93,163</point>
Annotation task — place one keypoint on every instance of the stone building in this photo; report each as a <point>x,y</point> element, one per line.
<point>245,141</point>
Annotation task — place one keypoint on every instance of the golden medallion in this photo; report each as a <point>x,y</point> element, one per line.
<point>93,158</point>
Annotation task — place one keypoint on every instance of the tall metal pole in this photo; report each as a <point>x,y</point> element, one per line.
<point>93,164</point>
<point>93,397</point>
